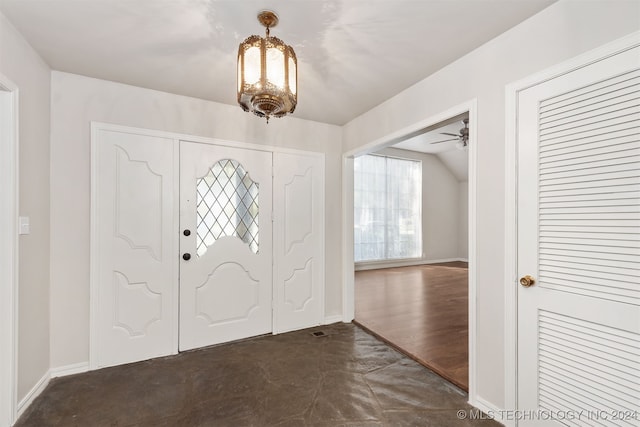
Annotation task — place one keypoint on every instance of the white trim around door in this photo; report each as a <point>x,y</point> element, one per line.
<point>348,296</point>
<point>512,92</point>
<point>308,309</point>
<point>8,249</point>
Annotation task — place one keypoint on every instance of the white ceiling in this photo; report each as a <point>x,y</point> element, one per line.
<point>353,54</point>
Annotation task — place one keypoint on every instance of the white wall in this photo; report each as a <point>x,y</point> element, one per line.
<point>22,65</point>
<point>463,220</point>
<point>560,32</point>
<point>439,210</point>
<point>76,101</point>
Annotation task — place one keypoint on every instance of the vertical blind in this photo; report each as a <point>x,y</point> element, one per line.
<point>387,208</point>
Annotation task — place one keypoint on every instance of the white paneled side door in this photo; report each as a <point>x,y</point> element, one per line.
<point>226,244</point>
<point>299,241</point>
<point>579,241</point>
<point>134,247</point>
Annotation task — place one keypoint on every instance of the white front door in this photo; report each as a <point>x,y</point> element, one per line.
<point>579,241</point>
<point>134,269</point>
<point>225,243</point>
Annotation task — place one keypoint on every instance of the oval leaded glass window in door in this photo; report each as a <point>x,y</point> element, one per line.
<point>226,205</point>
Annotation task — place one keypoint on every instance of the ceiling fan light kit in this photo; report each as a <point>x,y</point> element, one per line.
<point>267,73</point>
<point>462,139</point>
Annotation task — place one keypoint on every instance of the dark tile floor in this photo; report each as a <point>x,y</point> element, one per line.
<point>347,378</point>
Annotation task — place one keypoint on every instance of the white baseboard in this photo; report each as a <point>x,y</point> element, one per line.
<point>28,399</point>
<point>332,319</point>
<point>407,263</point>
<point>491,410</point>
<point>63,371</point>
<point>43,382</point>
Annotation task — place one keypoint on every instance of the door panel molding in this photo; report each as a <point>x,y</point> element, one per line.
<point>134,268</point>
<point>298,290</point>
<point>513,92</point>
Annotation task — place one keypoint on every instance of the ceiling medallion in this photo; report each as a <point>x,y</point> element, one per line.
<point>267,73</point>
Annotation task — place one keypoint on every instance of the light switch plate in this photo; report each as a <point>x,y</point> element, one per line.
<point>24,227</point>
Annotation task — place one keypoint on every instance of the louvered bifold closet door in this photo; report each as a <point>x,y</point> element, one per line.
<point>589,190</point>
<point>589,245</point>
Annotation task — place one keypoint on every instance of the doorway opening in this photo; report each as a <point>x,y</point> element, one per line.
<point>439,257</point>
<point>411,246</point>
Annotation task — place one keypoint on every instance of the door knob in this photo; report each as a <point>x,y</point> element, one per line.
<point>186,257</point>
<point>186,232</point>
<point>527,281</point>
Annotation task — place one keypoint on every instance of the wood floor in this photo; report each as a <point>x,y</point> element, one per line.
<point>422,311</point>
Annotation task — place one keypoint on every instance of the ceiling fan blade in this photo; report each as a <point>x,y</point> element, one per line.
<point>450,134</point>
<point>446,140</point>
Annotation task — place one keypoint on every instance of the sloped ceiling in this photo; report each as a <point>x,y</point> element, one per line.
<point>353,54</point>
<point>456,160</point>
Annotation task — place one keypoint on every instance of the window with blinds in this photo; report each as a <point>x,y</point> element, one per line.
<point>387,208</point>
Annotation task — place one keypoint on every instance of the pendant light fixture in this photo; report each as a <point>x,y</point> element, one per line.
<point>267,73</point>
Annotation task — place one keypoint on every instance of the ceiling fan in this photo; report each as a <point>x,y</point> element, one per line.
<point>462,138</point>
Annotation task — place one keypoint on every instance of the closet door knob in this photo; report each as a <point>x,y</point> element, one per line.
<point>527,281</point>
<point>187,232</point>
<point>186,257</point>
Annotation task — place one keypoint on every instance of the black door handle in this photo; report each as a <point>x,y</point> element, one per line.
<point>186,257</point>
<point>186,232</point>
